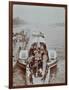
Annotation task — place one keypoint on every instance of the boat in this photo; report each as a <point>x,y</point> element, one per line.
<point>26,55</point>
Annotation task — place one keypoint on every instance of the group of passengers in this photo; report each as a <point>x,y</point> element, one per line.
<point>38,57</point>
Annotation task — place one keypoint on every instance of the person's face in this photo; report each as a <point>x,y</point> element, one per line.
<point>35,46</point>
<point>35,51</point>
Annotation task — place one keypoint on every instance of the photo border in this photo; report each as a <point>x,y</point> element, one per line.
<point>11,3</point>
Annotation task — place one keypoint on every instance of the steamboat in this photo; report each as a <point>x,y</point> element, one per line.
<point>37,61</point>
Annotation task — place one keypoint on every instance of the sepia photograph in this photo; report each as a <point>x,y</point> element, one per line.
<point>38,44</point>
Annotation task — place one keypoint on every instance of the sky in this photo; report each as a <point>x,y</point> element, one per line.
<point>49,20</point>
<point>39,14</point>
